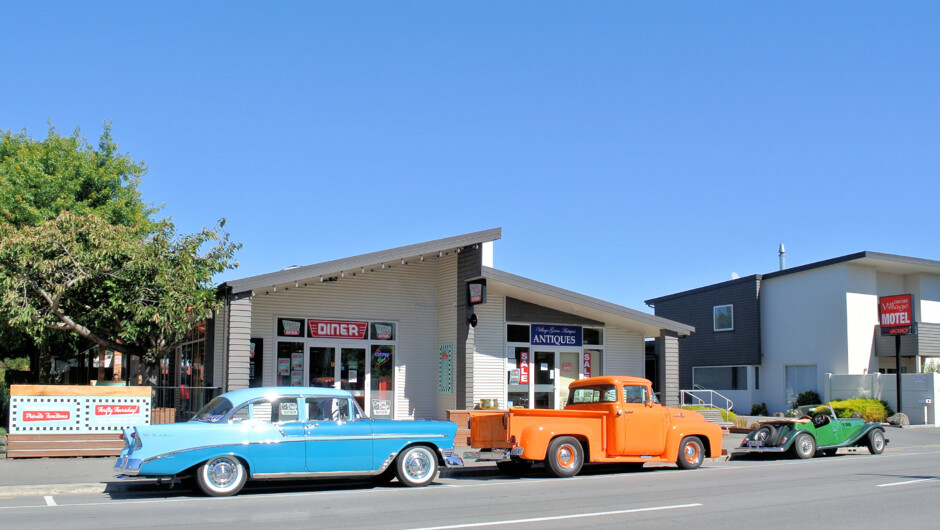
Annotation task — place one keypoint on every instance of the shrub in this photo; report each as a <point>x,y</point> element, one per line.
<point>759,410</point>
<point>807,398</point>
<point>870,409</point>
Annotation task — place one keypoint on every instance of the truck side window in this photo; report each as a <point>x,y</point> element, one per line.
<point>635,394</point>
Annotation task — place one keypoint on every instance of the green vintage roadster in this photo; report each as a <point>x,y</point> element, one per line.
<point>817,429</point>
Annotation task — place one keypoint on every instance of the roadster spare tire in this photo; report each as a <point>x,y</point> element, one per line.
<point>766,434</point>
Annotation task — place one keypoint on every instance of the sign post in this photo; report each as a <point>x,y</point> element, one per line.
<point>896,316</point>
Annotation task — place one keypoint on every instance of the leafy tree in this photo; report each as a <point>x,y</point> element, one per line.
<point>79,253</point>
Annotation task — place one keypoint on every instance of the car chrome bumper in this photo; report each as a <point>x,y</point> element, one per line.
<point>745,449</point>
<point>127,467</point>
<point>494,455</point>
<point>451,458</point>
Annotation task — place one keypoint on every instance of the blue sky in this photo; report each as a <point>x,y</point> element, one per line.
<point>628,150</point>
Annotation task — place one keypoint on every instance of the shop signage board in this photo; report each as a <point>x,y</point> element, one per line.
<point>524,368</point>
<point>61,409</point>
<point>586,363</point>
<point>546,335</point>
<point>896,314</point>
<point>445,368</point>
<point>337,329</point>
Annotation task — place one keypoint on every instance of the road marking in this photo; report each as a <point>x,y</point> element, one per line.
<point>907,482</point>
<point>49,500</point>
<point>563,517</point>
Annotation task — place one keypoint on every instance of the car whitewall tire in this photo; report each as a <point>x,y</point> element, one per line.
<point>417,466</point>
<point>221,476</point>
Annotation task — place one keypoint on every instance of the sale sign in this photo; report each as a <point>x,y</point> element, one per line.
<point>524,368</point>
<point>586,364</point>
<point>896,314</point>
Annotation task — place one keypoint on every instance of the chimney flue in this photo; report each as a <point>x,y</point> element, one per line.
<point>782,253</point>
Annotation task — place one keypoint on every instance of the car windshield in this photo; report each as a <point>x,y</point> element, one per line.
<point>593,394</point>
<point>810,410</point>
<point>214,411</point>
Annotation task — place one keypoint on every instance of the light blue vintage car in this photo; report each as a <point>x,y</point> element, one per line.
<point>287,432</point>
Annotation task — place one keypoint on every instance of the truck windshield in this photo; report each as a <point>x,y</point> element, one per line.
<point>593,394</point>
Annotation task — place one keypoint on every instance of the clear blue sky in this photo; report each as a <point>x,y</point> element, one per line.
<point>628,150</point>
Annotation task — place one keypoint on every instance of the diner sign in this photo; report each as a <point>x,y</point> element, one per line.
<point>337,329</point>
<point>544,335</point>
<point>896,314</point>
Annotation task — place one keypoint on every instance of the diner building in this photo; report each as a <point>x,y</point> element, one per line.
<point>418,330</point>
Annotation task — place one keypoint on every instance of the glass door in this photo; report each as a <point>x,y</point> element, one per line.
<point>352,373</point>
<point>518,395</point>
<point>544,368</point>
<point>568,374</point>
<point>290,364</point>
<point>322,367</point>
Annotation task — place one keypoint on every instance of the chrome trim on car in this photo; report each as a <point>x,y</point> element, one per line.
<point>494,455</point>
<point>759,450</point>
<point>451,458</point>
<point>308,474</point>
<point>388,462</point>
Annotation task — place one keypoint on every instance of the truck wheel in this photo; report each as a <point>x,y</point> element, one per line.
<point>565,456</point>
<point>804,446</point>
<point>514,468</point>
<point>691,453</point>
<point>876,441</point>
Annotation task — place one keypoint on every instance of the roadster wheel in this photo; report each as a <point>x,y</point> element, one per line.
<point>876,441</point>
<point>417,466</point>
<point>565,456</point>
<point>691,453</point>
<point>221,476</point>
<point>804,446</point>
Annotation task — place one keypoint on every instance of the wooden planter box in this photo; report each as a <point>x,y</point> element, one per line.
<point>163,415</point>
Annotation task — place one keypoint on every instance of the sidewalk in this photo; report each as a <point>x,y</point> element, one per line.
<point>58,476</point>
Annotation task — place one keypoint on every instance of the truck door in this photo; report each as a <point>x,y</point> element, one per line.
<point>644,423</point>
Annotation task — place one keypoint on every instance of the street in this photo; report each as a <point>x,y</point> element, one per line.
<point>860,490</point>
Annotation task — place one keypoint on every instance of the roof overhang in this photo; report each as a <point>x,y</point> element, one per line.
<point>392,257</point>
<point>559,299</point>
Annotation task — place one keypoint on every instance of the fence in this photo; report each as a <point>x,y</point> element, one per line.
<point>919,393</point>
<point>180,403</point>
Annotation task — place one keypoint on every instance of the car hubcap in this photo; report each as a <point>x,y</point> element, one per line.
<point>222,472</point>
<point>566,456</point>
<point>418,465</point>
<point>805,445</point>
<point>879,442</point>
<point>691,453</point>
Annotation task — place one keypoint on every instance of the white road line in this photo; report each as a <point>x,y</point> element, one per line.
<point>907,482</point>
<point>49,500</point>
<point>562,517</point>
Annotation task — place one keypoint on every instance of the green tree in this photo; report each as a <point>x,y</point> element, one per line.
<point>80,254</point>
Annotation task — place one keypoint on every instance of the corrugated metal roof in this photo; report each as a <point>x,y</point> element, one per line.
<point>329,268</point>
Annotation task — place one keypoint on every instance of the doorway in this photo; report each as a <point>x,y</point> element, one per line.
<point>539,379</point>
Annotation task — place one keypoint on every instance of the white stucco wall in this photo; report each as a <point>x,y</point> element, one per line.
<point>803,322</point>
<point>928,293</point>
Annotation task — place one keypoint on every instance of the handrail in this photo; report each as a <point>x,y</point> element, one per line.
<point>712,396</point>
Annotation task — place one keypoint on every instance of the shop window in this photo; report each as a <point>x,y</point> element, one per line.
<point>593,337</point>
<point>720,377</point>
<point>382,331</point>
<point>723,317</point>
<point>290,364</point>
<point>518,395</point>
<point>591,362</point>
<point>517,333</point>
<point>382,382</point>
<point>256,363</point>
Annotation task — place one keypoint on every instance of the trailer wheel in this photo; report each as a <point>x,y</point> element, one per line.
<point>565,456</point>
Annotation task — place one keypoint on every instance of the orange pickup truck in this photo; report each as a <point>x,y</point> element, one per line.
<point>607,419</point>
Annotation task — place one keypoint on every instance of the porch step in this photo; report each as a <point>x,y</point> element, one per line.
<point>715,416</point>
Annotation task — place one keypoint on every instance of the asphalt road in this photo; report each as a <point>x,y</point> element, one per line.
<point>897,488</point>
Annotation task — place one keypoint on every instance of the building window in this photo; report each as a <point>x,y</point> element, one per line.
<point>517,333</point>
<point>593,336</point>
<point>724,317</point>
<point>720,377</point>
